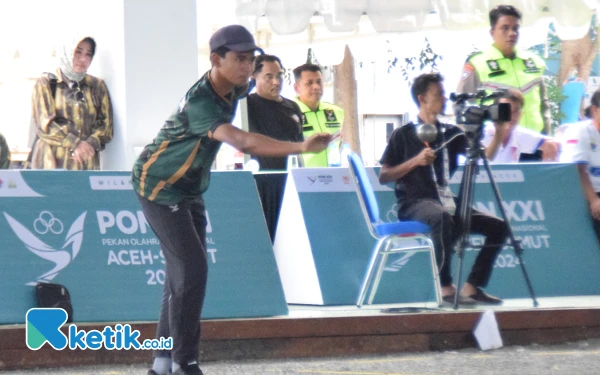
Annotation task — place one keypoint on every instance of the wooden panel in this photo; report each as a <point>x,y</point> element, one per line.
<point>271,338</point>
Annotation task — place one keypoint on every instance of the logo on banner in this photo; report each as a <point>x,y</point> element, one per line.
<point>392,214</point>
<point>46,223</point>
<point>110,183</point>
<point>398,264</point>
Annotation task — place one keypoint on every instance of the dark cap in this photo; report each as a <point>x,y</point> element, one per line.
<point>234,37</point>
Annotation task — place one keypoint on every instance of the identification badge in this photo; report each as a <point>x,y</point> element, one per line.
<point>447,199</point>
<point>330,115</point>
<point>304,120</point>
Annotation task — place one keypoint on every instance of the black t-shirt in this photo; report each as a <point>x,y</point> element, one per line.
<point>279,120</point>
<point>404,145</point>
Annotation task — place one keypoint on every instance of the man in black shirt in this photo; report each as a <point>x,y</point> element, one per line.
<point>408,162</point>
<point>271,114</point>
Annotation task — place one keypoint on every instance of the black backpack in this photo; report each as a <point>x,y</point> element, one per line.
<point>54,295</point>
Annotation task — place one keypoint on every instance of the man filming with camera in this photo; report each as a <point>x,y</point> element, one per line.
<point>421,171</point>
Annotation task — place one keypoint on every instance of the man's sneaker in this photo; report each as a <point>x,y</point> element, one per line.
<point>152,372</point>
<point>189,369</point>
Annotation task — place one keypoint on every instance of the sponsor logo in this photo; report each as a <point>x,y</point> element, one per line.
<point>12,184</point>
<point>401,262</point>
<point>392,214</point>
<point>47,223</point>
<point>44,326</point>
<point>595,171</point>
<point>325,179</point>
<point>516,211</point>
<point>110,183</point>
<point>500,176</point>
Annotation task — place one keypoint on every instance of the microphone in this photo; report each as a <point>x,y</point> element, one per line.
<point>427,133</point>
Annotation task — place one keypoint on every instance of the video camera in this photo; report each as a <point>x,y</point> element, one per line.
<point>472,116</point>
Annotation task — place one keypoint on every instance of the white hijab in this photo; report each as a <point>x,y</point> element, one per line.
<point>66,53</point>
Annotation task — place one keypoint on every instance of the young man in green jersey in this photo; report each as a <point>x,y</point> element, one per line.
<point>173,171</point>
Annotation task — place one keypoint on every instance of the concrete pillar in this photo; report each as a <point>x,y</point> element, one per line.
<point>148,56</point>
<point>345,96</point>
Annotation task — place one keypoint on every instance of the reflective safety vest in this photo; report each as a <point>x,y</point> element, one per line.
<point>328,118</point>
<point>523,72</point>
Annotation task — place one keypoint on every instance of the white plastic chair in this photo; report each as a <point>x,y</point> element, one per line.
<point>391,238</point>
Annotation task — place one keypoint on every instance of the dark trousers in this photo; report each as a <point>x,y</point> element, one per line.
<point>181,230</point>
<point>444,235</point>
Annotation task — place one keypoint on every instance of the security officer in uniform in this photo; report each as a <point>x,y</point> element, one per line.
<point>503,66</point>
<point>318,116</point>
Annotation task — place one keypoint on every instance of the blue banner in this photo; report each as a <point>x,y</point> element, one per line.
<point>86,231</point>
<point>544,203</point>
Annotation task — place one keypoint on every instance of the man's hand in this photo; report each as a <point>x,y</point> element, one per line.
<point>502,128</point>
<point>425,157</point>
<point>595,209</point>
<point>550,149</point>
<point>83,152</point>
<point>316,143</point>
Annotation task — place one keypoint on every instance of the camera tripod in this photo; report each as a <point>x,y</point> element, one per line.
<point>475,151</point>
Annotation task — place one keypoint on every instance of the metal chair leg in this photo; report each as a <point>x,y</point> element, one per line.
<point>369,275</point>
<point>435,272</point>
<point>377,279</point>
<point>377,264</point>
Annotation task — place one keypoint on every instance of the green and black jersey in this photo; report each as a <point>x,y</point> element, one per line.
<point>176,165</point>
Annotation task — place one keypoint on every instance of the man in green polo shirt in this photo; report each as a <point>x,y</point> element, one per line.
<point>319,116</point>
<point>173,171</point>
<point>503,66</point>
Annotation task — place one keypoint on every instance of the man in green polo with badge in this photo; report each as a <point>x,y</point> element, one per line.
<point>503,66</point>
<point>318,116</point>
